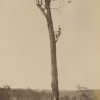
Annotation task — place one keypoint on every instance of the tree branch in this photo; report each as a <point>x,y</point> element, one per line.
<point>42,10</point>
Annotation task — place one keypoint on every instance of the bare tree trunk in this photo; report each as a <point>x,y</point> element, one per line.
<point>54,72</point>
<point>46,11</point>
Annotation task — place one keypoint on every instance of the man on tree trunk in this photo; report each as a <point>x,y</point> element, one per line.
<point>44,6</point>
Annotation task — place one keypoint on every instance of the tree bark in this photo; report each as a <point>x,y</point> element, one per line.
<point>54,72</point>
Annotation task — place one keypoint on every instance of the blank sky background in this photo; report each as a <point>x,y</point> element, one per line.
<point>24,45</point>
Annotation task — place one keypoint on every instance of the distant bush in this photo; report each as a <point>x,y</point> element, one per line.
<point>5,93</point>
<point>83,93</point>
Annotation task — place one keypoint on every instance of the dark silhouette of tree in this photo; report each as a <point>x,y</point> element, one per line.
<point>45,8</point>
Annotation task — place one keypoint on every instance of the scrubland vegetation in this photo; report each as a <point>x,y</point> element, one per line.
<point>6,93</point>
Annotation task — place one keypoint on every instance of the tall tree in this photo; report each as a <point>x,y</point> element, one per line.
<point>44,6</point>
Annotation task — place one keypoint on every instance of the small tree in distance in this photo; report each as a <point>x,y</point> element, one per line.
<point>45,8</point>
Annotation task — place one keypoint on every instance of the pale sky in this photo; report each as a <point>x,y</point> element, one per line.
<point>24,45</point>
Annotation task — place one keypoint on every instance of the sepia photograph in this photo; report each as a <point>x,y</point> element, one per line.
<point>49,49</point>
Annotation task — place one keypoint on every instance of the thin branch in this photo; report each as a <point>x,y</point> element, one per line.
<point>42,10</point>
<point>57,8</point>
